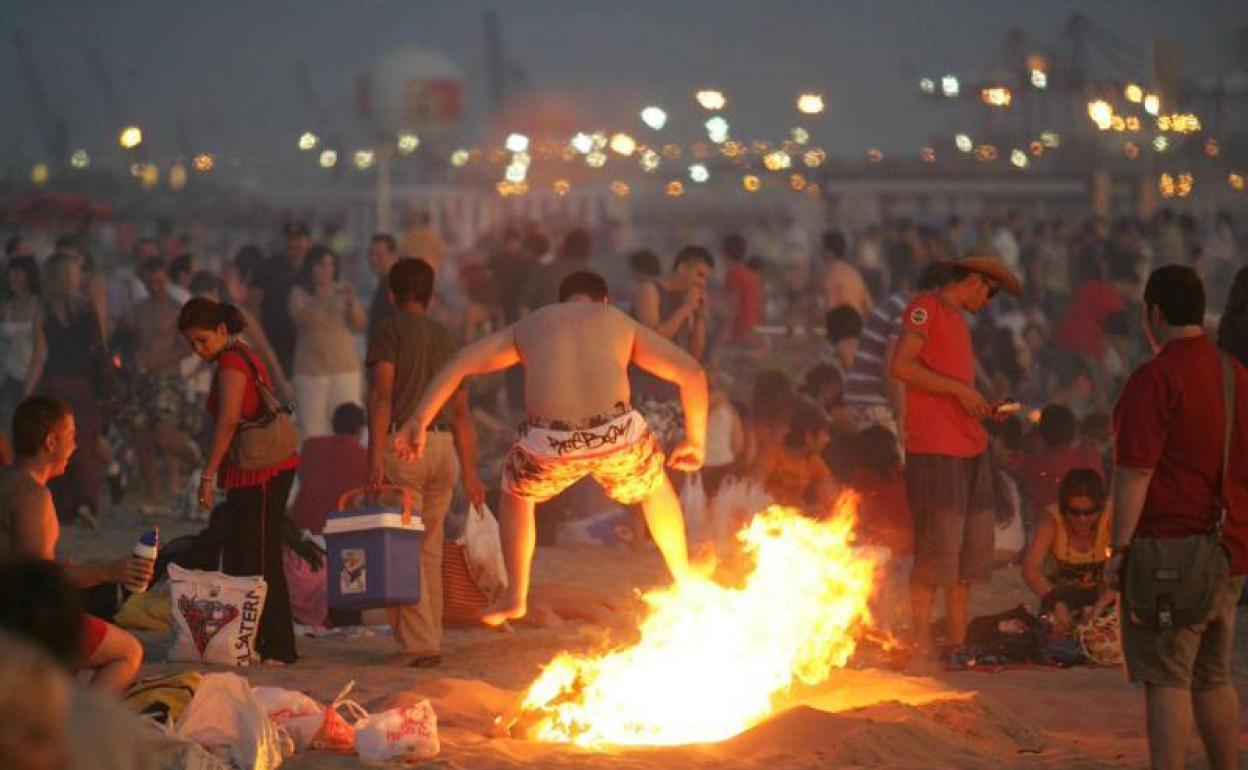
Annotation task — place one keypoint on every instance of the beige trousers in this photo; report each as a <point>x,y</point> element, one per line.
<point>431,479</point>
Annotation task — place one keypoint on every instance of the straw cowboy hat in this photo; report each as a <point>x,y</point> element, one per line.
<point>986,262</point>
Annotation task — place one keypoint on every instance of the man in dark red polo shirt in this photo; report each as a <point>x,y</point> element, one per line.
<point>948,477</point>
<point>1169,426</point>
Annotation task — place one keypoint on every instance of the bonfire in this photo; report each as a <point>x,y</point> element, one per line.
<point>711,659</point>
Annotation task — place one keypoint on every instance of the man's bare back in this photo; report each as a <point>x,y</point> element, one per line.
<point>575,357</point>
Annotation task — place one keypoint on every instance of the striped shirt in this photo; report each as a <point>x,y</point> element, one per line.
<point>867,382</point>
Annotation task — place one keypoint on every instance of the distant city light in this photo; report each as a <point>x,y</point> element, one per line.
<point>177,177</point>
<point>810,104</point>
<point>963,143</point>
<point>408,142</point>
<point>751,183</point>
<point>130,137</point>
<point>562,187</point>
<point>596,159</point>
<point>203,162</point>
<point>583,143</point>
<point>620,188</point>
<point>777,160</point>
<point>710,99</point>
<point>927,85</point>
<point>675,189</point>
<point>308,141</point>
<point>39,174</point>
<point>80,159</point>
<point>814,158</point>
<point>1039,79</point>
<point>1236,181</point>
<point>654,117</point>
<point>459,158</point>
<point>928,154</point>
<point>515,173</point>
<point>949,86</point>
<point>1161,144</point>
<point>1050,139</point>
<point>717,129</point>
<point>650,161</point>
<point>1101,113</point>
<point>329,158</point>
<point>1152,104</point>
<point>875,155</point>
<point>516,143</point>
<point>996,96</point>
<point>364,159</point>
<point>698,173</point>
<point>1134,93</point>
<point>800,135</point>
<point>623,144</point>
<point>1018,158</point>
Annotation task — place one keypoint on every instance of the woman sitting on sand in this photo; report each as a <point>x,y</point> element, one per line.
<point>1076,535</point>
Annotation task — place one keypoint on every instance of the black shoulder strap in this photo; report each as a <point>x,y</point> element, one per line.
<point>1228,403</point>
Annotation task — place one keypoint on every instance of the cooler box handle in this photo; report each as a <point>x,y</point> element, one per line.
<point>406,493</point>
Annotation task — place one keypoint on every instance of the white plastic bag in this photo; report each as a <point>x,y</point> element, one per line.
<point>299,715</point>
<point>693,504</point>
<point>226,718</point>
<point>483,550</point>
<point>215,616</point>
<point>1009,536</point>
<point>409,733</point>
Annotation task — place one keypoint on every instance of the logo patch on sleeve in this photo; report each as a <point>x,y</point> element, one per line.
<point>918,316</point>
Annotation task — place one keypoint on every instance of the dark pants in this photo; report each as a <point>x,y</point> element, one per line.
<point>251,530</point>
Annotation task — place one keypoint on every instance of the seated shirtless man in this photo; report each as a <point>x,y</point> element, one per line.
<point>44,440</point>
<point>579,422</point>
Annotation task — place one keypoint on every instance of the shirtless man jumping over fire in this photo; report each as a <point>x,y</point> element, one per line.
<point>579,421</point>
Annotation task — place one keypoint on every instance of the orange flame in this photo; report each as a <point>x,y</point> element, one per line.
<point>711,658</point>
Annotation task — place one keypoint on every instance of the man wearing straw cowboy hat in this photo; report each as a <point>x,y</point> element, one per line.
<point>948,477</point>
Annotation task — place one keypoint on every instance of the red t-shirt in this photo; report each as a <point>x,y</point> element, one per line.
<point>1170,418</point>
<point>230,475</point>
<point>936,423</point>
<point>884,513</point>
<point>747,300</point>
<point>1083,328</point>
<point>328,467</point>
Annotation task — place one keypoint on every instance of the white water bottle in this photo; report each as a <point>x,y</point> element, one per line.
<point>147,548</point>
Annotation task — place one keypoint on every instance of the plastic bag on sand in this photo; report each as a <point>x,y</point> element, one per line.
<point>227,719</point>
<point>299,715</point>
<point>215,616</point>
<point>693,505</point>
<point>735,503</point>
<point>402,734</point>
<point>484,550</point>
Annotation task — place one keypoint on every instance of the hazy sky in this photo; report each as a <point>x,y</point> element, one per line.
<point>226,66</point>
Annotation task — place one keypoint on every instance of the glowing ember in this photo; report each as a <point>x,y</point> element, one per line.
<point>711,658</point>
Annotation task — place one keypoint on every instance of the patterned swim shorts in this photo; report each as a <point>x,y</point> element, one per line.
<point>617,449</point>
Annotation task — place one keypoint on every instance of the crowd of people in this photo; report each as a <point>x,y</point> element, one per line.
<point>949,409</point>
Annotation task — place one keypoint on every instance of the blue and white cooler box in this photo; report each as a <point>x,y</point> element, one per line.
<point>374,554</point>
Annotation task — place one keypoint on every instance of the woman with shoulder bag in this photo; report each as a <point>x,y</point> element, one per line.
<point>253,457</point>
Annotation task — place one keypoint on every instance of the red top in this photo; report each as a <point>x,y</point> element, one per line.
<point>1083,327</point>
<point>747,300</point>
<point>936,423</point>
<point>328,467</point>
<point>1043,470</point>
<point>1170,419</point>
<point>230,476</point>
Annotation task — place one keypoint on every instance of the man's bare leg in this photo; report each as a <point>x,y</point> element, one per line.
<point>955,609</point>
<point>1168,716</point>
<point>1217,720</point>
<point>921,597</point>
<point>667,526</point>
<point>518,532</point>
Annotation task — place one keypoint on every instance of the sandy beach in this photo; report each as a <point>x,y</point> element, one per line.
<point>1027,718</point>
